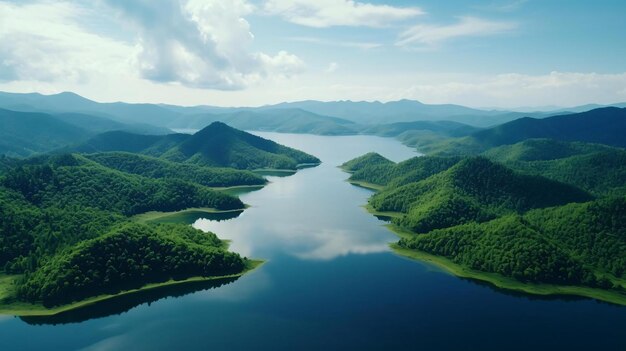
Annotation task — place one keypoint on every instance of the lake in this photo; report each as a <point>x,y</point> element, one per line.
<point>330,282</point>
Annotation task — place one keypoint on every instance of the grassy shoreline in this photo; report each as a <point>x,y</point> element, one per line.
<point>27,309</point>
<point>366,185</point>
<point>495,279</point>
<point>153,216</point>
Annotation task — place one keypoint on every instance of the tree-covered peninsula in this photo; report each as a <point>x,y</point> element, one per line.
<point>541,215</point>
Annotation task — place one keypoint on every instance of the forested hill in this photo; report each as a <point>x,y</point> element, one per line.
<point>65,228</point>
<point>596,168</point>
<point>577,244</point>
<point>375,169</point>
<point>474,189</point>
<point>217,145</point>
<point>26,133</point>
<point>604,125</point>
<point>528,218</point>
<point>153,167</point>
<point>74,180</point>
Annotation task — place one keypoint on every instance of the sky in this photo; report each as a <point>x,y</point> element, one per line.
<point>480,53</point>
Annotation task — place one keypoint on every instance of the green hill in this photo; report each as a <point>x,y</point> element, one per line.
<point>367,160</point>
<point>392,174</point>
<point>217,145</point>
<point>221,145</point>
<point>542,150</point>
<point>66,235</point>
<point>129,257</point>
<point>26,133</point>
<point>603,125</point>
<point>596,168</point>
<point>576,244</point>
<point>447,128</point>
<point>74,180</point>
<point>152,167</point>
<point>475,189</point>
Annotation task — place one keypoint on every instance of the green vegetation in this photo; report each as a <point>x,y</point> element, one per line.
<point>367,160</point>
<point>66,235</point>
<point>74,180</point>
<point>26,133</point>
<point>128,257</point>
<point>521,228</point>
<point>10,306</point>
<point>188,216</point>
<point>577,244</point>
<point>152,167</point>
<point>474,189</point>
<point>383,173</point>
<point>217,145</point>
<point>599,169</point>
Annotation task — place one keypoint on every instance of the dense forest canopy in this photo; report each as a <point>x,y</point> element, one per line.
<point>217,145</point>
<point>538,211</point>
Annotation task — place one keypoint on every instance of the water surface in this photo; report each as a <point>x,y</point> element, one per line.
<point>330,282</point>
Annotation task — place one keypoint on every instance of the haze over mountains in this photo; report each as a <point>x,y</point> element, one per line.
<point>36,123</point>
<point>339,112</point>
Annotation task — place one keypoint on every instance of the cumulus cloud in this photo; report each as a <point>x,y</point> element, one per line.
<point>332,67</point>
<point>194,43</point>
<point>432,35</point>
<point>338,43</point>
<point>200,43</point>
<point>328,13</point>
<point>43,42</point>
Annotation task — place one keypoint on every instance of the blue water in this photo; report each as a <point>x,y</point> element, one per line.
<point>330,282</point>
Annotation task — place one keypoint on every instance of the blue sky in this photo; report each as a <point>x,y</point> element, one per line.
<point>488,53</point>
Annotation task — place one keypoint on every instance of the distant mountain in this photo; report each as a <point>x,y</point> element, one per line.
<point>279,120</point>
<point>605,125</point>
<point>316,117</point>
<point>318,122</point>
<point>542,150</point>
<point>100,124</point>
<point>447,128</point>
<point>26,133</point>
<point>69,102</point>
<point>217,145</point>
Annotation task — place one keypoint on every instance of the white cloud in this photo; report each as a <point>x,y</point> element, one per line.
<point>432,35</point>
<point>328,13</point>
<point>43,42</point>
<point>332,67</point>
<point>200,43</point>
<point>195,43</point>
<point>504,6</point>
<point>347,44</point>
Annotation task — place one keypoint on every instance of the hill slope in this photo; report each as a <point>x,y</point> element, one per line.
<point>577,244</point>
<point>604,126</point>
<point>217,145</point>
<point>26,133</point>
<point>596,168</point>
<point>474,189</point>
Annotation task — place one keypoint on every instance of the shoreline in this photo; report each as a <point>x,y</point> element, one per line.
<point>23,309</point>
<point>152,216</point>
<point>495,279</point>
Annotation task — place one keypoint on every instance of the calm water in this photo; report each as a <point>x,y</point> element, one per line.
<point>330,283</point>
